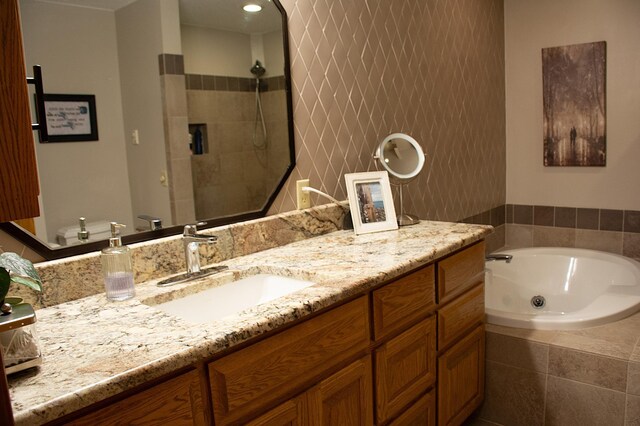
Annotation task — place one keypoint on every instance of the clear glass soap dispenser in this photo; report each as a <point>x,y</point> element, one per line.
<point>117,268</point>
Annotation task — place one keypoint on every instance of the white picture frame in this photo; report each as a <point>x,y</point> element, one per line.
<point>371,202</point>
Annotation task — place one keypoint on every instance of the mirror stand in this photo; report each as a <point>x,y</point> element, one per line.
<point>405,219</point>
<point>402,157</point>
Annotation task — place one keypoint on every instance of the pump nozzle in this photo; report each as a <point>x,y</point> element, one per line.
<point>83,234</point>
<point>115,240</point>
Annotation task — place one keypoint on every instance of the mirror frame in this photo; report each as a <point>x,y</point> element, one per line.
<point>49,253</point>
<point>395,175</point>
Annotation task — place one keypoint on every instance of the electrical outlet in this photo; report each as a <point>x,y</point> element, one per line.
<point>135,137</point>
<point>304,201</point>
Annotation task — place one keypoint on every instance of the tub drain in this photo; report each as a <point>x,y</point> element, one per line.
<point>538,302</point>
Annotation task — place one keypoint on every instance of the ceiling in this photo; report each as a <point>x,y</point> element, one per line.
<point>219,14</point>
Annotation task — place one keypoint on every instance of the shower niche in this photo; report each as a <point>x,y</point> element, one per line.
<point>198,139</point>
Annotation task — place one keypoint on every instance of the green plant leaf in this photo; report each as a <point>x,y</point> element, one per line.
<point>5,280</point>
<point>21,269</point>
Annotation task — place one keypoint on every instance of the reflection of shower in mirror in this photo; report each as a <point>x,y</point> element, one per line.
<point>258,70</point>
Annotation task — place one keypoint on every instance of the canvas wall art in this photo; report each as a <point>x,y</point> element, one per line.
<point>574,101</point>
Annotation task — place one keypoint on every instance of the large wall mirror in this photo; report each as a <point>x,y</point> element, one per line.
<point>194,115</point>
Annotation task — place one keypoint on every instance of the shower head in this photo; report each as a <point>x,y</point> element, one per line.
<point>257,70</point>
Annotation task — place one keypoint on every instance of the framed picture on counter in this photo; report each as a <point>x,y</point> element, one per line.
<point>371,202</point>
<point>71,118</point>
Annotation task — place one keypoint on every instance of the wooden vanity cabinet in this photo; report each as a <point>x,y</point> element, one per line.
<point>372,360</point>
<point>18,174</point>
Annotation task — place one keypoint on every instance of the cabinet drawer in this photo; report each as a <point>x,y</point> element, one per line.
<point>177,401</point>
<point>249,380</point>
<point>461,379</point>
<point>422,412</point>
<point>405,368</point>
<point>402,302</point>
<point>460,271</point>
<point>459,316</point>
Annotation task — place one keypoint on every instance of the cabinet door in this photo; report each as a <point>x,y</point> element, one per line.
<point>405,368</point>
<point>422,412</point>
<point>461,379</point>
<point>290,413</point>
<point>344,399</point>
<point>177,401</point>
<point>18,175</point>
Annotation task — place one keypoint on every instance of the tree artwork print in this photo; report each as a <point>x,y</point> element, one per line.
<point>574,98</point>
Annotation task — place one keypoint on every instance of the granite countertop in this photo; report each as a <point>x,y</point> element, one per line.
<point>94,349</point>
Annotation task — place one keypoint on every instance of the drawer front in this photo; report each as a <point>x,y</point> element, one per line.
<point>422,412</point>
<point>460,315</point>
<point>249,380</point>
<point>177,401</point>
<point>405,368</point>
<point>460,271</point>
<point>402,302</point>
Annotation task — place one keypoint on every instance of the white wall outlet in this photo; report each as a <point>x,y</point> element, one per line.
<point>304,201</point>
<point>135,137</point>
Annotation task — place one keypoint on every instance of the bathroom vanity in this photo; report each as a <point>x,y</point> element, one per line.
<point>392,329</point>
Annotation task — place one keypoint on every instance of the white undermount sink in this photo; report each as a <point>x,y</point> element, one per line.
<point>221,301</point>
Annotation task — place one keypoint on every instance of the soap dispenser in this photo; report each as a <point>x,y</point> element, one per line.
<point>116,267</point>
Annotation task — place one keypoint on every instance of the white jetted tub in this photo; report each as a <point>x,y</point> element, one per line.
<point>561,288</point>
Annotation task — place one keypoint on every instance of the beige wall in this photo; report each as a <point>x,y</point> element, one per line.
<point>430,68</point>
<point>78,52</point>
<point>140,41</point>
<point>533,25</point>
<point>203,48</point>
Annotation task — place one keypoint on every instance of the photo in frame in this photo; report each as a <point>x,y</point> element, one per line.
<point>371,202</point>
<point>574,105</point>
<point>71,118</point>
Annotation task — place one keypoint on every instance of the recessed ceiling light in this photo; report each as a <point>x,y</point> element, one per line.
<point>252,8</point>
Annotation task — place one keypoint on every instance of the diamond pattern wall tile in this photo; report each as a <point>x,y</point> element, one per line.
<point>431,68</point>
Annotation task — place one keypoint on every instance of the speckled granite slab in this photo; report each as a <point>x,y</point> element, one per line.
<point>81,276</point>
<point>94,349</point>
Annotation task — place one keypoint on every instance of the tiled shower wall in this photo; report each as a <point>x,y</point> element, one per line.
<point>431,68</point>
<point>239,168</point>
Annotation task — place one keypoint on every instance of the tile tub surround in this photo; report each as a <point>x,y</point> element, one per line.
<point>614,231</point>
<point>81,276</point>
<point>577,377</point>
<point>138,343</point>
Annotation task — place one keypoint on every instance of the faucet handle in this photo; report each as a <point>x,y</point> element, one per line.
<point>192,228</point>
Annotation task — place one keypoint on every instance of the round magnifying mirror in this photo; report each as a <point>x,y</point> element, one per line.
<point>402,156</point>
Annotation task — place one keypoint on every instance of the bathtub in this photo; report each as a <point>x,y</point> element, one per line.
<point>572,288</point>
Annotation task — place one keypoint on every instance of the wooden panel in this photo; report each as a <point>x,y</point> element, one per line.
<point>18,173</point>
<point>176,402</point>
<point>405,368</point>
<point>461,379</point>
<point>459,316</point>
<point>460,271</point>
<point>291,413</point>
<point>402,302</point>
<point>344,398</point>
<point>254,377</point>
<point>422,413</point>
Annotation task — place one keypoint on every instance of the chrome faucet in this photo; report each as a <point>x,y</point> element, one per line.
<point>499,256</point>
<point>155,223</point>
<point>191,240</point>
